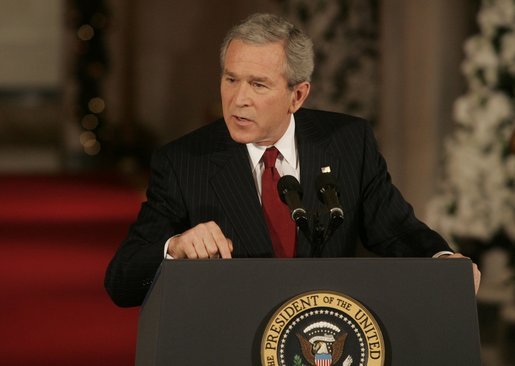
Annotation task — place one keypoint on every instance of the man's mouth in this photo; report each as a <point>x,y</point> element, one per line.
<point>242,119</point>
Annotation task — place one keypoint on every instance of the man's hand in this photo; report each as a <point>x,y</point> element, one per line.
<point>475,270</point>
<point>203,241</point>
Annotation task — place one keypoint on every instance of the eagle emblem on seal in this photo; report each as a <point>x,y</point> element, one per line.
<point>322,344</point>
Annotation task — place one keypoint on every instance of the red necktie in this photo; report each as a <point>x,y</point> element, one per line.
<point>280,224</point>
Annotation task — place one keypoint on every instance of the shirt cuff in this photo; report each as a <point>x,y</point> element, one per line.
<point>165,254</point>
<point>443,252</point>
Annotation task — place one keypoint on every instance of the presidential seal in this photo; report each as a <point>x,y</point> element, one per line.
<point>322,328</point>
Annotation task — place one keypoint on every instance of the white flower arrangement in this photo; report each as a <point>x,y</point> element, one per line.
<point>476,198</point>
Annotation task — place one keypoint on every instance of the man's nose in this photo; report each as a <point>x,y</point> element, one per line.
<point>242,97</point>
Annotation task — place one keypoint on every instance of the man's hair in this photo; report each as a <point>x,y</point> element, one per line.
<point>263,29</point>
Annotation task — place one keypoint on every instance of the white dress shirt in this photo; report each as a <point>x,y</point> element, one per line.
<point>287,162</point>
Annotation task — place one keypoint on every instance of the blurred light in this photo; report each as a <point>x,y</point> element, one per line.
<point>96,105</point>
<point>85,32</point>
<point>92,147</point>
<point>86,137</point>
<point>89,121</point>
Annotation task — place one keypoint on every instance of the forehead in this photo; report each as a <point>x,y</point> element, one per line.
<point>243,57</point>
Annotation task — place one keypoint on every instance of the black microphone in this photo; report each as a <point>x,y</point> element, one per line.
<point>328,193</point>
<point>290,193</point>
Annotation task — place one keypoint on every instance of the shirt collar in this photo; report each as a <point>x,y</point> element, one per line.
<point>285,145</point>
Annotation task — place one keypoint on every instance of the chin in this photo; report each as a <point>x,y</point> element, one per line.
<point>242,137</point>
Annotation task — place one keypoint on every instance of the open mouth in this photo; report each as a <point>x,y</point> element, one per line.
<point>242,119</point>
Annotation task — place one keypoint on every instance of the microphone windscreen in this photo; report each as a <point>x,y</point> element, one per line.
<point>326,180</point>
<point>288,183</point>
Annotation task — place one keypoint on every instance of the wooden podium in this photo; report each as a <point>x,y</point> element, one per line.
<point>214,312</point>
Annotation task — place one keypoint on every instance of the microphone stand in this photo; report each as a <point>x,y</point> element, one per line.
<point>290,193</point>
<point>322,233</point>
<point>318,236</point>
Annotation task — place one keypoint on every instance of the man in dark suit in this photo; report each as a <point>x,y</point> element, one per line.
<point>209,194</point>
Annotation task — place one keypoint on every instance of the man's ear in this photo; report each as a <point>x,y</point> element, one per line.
<point>299,95</point>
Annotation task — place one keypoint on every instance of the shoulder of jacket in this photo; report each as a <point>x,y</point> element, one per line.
<point>202,139</point>
<point>331,122</point>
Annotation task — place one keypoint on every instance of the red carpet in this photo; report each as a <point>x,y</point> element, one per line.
<point>57,235</point>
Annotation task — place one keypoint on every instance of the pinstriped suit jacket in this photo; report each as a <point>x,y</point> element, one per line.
<point>207,176</point>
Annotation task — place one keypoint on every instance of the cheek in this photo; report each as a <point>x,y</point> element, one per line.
<point>278,105</point>
<point>226,102</point>
<point>274,101</point>
<point>225,93</point>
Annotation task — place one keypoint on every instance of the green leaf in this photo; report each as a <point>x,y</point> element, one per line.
<point>297,361</point>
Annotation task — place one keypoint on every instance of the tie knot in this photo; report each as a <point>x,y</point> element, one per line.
<point>270,156</point>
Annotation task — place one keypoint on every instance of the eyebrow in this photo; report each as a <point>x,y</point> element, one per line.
<point>251,77</point>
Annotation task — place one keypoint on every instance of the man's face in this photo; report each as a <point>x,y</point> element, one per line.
<point>256,101</point>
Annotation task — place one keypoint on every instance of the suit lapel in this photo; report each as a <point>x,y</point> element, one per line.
<point>236,191</point>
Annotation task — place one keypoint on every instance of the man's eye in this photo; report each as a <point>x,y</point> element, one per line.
<point>258,85</point>
<point>230,80</point>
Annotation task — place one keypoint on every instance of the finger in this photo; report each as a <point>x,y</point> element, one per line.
<point>457,255</point>
<point>190,252</point>
<point>199,238</point>
<point>212,248</point>
<point>226,249</point>
<point>205,240</point>
<point>184,248</point>
<point>207,247</point>
<point>188,246</point>
<point>475,270</point>
<point>211,245</point>
<point>477,277</point>
<point>222,244</point>
<point>202,241</point>
<point>200,248</point>
<point>176,247</point>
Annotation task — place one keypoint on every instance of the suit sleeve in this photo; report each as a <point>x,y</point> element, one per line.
<point>133,267</point>
<point>389,226</point>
